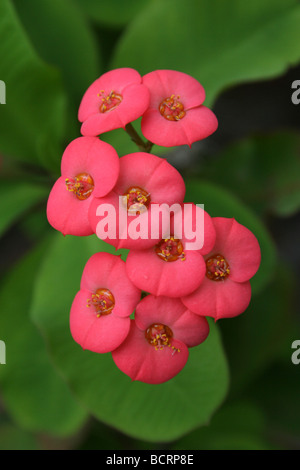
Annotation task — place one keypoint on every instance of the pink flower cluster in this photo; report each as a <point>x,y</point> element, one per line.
<point>169,287</point>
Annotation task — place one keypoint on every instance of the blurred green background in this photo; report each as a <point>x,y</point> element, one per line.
<point>240,389</point>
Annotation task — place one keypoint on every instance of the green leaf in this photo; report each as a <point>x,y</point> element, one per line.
<point>13,438</point>
<point>33,115</point>
<point>102,437</point>
<point>219,43</point>
<point>263,171</point>
<point>32,391</point>
<point>219,202</point>
<point>62,37</point>
<point>254,340</point>
<point>16,199</point>
<point>112,12</point>
<point>134,408</point>
<point>277,392</point>
<point>238,426</point>
<point>35,225</point>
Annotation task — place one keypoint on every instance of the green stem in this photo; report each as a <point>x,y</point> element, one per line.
<point>143,146</point>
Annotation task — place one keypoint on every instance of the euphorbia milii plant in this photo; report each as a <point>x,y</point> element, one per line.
<point>144,180</point>
<point>233,260</point>
<point>184,276</point>
<point>89,168</point>
<point>99,318</point>
<point>176,115</point>
<point>168,268</point>
<point>112,101</point>
<point>156,348</point>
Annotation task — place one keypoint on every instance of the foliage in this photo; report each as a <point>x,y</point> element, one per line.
<point>240,384</point>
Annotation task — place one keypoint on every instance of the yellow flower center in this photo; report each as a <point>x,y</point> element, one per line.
<point>103,302</point>
<point>172,109</point>
<point>217,268</point>
<point>82,185</point>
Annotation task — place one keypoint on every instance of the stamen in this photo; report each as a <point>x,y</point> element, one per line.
<point>160,337</point>
<point>103,302</point>
<point>109,101</point>
<point>138,199</point>
<point>172,109</point>
<point>217,268</point>
<point>82,185</point>
<point>170,249</point>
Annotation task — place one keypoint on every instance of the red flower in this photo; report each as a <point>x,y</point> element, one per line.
<point>112,101</point>
<point>169,268</point>
<point>144,180</point>
<point>234,259</point>
<point>156,348</point>
<point>99,318</point>
<point>89,168</point>
<point>176,115</point>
